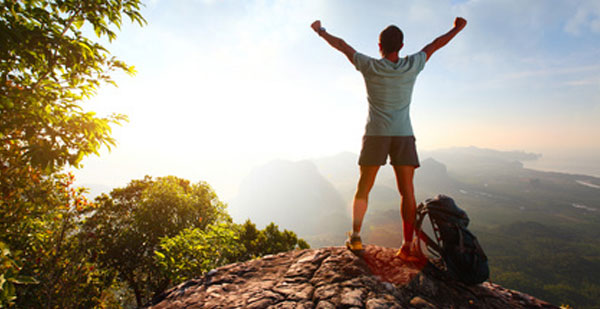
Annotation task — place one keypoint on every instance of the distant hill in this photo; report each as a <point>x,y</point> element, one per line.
<point>461,157</point>
<point>313,197</point>
<point>295,196</point>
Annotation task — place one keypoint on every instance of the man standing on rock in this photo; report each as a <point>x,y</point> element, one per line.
<point>389,83</point>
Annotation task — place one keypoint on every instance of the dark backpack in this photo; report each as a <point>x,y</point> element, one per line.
<point>454,248</point>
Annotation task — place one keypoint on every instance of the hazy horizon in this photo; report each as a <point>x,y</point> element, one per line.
<point>227,184</point>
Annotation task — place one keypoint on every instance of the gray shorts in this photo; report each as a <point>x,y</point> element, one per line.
<point>401,149</point>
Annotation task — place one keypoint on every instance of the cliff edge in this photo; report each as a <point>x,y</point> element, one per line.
<point>333,277</point>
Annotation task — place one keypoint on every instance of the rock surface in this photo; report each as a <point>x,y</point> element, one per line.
<point>335,278</point>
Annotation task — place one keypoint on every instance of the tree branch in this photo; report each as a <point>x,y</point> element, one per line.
<point>70,22</point>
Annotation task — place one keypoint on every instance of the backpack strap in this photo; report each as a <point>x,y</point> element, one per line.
<point>437,234</point>
<point>429,243</point>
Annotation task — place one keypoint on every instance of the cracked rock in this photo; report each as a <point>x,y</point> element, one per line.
<point>333,277</point>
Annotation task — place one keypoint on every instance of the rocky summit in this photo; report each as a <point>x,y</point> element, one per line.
<point>336,278</point>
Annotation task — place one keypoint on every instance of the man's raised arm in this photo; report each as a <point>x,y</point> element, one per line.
<point>459,24</point>
<point>335,42</point>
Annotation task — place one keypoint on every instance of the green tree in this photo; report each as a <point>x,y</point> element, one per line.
<point>253,241</point>
<point>277,241</point>
<point>47,67</point>
<point>128,225</point>
<point>256,243</point>
<point>193,252</point>
<point>10,276</point>
<point>52,252</point>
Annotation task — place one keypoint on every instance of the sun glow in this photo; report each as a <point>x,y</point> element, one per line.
<point>222,87</point>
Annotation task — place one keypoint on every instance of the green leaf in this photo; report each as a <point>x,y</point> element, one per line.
<point>159,254</point>
<point>23,280</point>
<point>47,74</point>
<point>78,23</point>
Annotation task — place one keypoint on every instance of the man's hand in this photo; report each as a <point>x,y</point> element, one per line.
<point>334,41</point>
<point>316,25</point>
<point>460,23</point>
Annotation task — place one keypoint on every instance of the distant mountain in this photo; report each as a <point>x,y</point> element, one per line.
<point>315,196</point>
<point>474,157</point>
<point>295,196</point>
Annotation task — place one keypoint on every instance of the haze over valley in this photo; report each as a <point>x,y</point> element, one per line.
<point>540,229</point>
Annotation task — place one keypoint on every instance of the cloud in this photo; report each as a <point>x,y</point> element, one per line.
<point>586,18</point>
<point>594,81</point>
<point>554,71</point>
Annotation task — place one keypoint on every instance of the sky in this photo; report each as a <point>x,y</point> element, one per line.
<point>225,85</point>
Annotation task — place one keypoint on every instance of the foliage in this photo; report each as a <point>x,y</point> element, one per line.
<point>554,264</point>
<point>10,269</point>
<point>270,240</point>
<point>47,67</point>
<point>51,259</point>
<point>127,226</point>
<point>194,251</point>
<point>157,232</point>
<point>57,249</point>
<point>253,241</point>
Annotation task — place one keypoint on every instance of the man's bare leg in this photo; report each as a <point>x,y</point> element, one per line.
<point>408,206</point>
<point>361,197</point>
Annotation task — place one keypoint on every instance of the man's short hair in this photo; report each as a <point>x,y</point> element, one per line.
<point>391,39</point>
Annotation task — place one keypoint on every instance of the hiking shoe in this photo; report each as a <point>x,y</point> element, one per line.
<point>406,254</point>
<point>354,243</point>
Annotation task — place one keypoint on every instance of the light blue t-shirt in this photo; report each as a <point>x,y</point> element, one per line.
<point>389,90</point>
